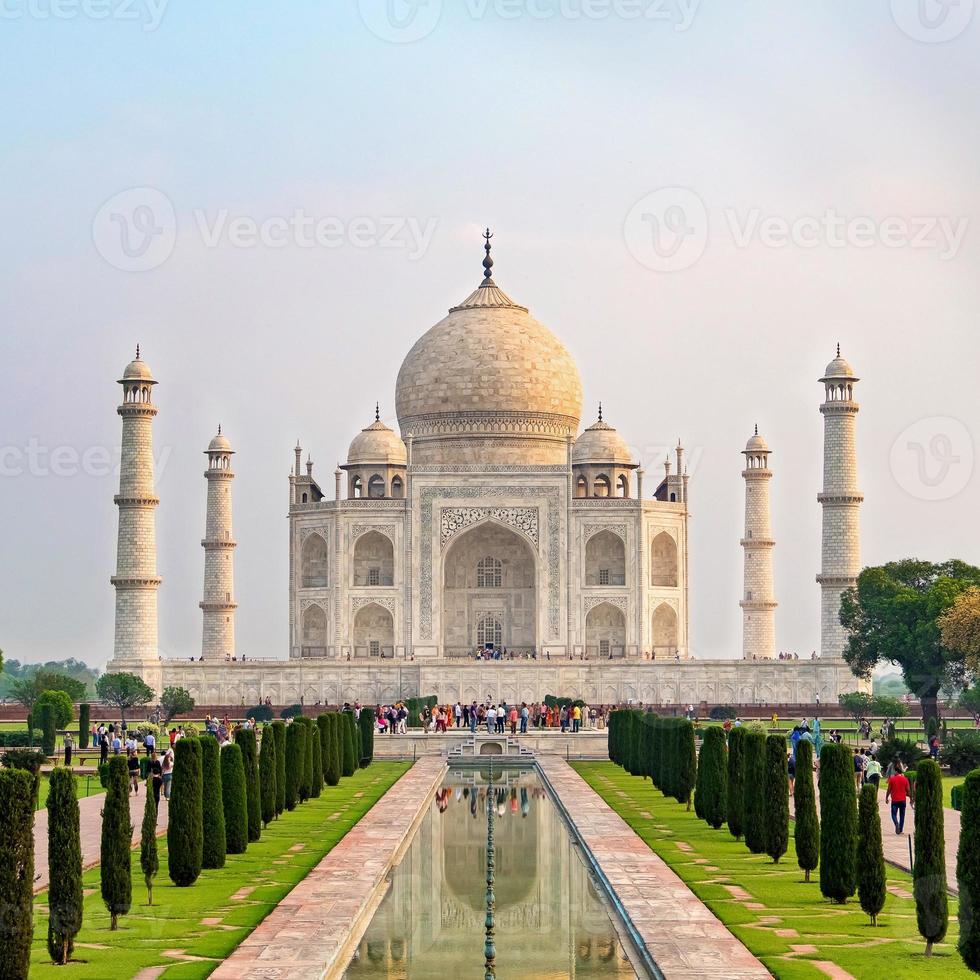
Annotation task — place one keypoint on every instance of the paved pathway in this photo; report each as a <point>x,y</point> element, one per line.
<point>314,930</point>
<point>681,933</point>
<point>90,826</point>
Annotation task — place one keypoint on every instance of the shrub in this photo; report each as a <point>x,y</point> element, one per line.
<point>736,782</point>
<point>261,712</point>
<point>775,792</point>
<point>29,760</point>
<point>16,872</point>
<point>806,830</point>
<point>316,786</point>
<point>19,739</point>
<point>149,858</point>
<point>293,711</point>
<point>62,705</point>
<point>45,715</point>
<point>233,799</point>
<point>838,823</point>
<point>213,808</point>
<point>333,764</point>
<point>870,856</point>
<point>84,724</point>
<point>245,737</point>
<point>713,776</point>
<point>185,828</point>
<point>929,870</point>
<point>956,798</point>
<point>294,763</point>
<point>117,838</point>
<point>267,774</point>
<point>366,721</point>
<point>904,750</point>
<point>64,866</point>
<point>968,872</point>
<point>754,799</point>
<point>348,764</point>
<point>723,712</point>
<point>961,752</point>
<point>687,762</point>
<point>279,731</point>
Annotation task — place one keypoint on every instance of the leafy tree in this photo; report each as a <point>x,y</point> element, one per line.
<point>16,872</point>
<point>859,704</point>
<point>929,870</point>
<point>775,792</point>
<point>366,721</point>
<point>245,737</point>
<point>838,823</point>
<point>870,856</point>
<point>753,798</point>
<point>45,716</point>
<point>348,763</point>
<point>123,691</point>
<point>61,705</point>
<point>36,680</point>
<point>233,799</point>
<point>333,766</point>
<point>713,776</point>
<point>185,827</point>
<point>213,808</point>
<point>149,859</point>
<point>959,627</point>
<point>806,828</point>
<point>175,701</point>
<point>687,763</point>
<point>736,782</point>
<point>64,866</point>
<point>267,774</point>
<point>970,699</point>
<point>893,614</point>
<point>968,872</point>
<point>84,723</point>
<point>295,744</point>
<point>117,838</point>
<point>279,731</point>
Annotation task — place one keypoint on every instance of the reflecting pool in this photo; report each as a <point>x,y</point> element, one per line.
<point>552,920</point>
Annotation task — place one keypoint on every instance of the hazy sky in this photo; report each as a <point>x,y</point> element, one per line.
<point>277,200</point>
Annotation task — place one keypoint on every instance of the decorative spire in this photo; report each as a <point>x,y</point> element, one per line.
<point>756,428</point>
<point>487,260</point>
<point>600,411</point>
<point>377,411</point>
<point>219,428</point>
<point>137,352</point>
<point>838,348</point>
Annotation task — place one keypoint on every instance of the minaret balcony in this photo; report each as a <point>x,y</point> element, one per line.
<point>760,605</point>
<point>758,542</point>
<point>841,499</point>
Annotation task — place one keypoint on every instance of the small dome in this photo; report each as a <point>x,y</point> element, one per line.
<point>220,444</point>
<point>757,444</point>
<point>138,370</point>
<point>377,444</point>
<point>601,443</point>
<point>839,367</point>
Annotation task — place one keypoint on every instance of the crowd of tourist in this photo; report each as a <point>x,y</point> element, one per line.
<point>500,719</point>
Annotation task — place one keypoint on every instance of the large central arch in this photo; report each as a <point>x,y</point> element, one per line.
<point>488,570</point>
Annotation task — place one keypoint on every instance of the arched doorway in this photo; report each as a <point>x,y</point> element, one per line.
<point>605,559</point>
<point>489,591</point>
<point>374,632</point>
<point>663,560</point>
<point>605,631</point>
<point>315,563</point>
<point>664,631</point>
<point>314,632</point>
<point>374,560</point>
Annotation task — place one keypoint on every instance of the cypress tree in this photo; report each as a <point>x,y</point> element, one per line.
<point>612,732</point>
<point>268,767</point>
<point>149,858</point>
<point>736,782</point>
<point>752,795</point>
<point>317,786</point>
<point>358,748</point>
<point>305,752</point>
<point>308,728</point>
<point>45,718</point>
<point>185,827</point>
<point>213,812</point>
<point>245,737</point>
<point>16,872</point>
<point>84,721</point>
<point>713,776</point>
<point>929,872</point>
<point>806,830</point>
<point>687,762</point>
<point>64,866</point>
<point>838,823</point>
<point>968,872</point>
<point>348,765</point>
<point>699,791</point>
<point>323,728</point>
<point>233,799</point>
<point>629,732</point>
<point>656,755</point>
<point>775,793</point>
<point>279,731</point>
<point>294,763</point>
<point>870,856</point>
<point>333,767</point>
<point>117,838</point>
<point>366,721</point>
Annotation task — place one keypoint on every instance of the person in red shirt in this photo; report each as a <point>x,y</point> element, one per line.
<point>899,791</point>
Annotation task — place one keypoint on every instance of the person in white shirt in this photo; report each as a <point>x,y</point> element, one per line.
<point>491,719</point>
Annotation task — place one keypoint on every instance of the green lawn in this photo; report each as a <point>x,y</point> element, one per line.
<point>190,930</point>
<point>841,934</point>
<point>948,783</point>
<point>84,786</point>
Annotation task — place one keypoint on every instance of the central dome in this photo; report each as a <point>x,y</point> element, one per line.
<point>489,384</point>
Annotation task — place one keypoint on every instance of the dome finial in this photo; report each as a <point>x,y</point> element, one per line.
<point>137,352</point>
<point>838,348</point>
<point>600,411</point>
<point>487,260</point>
<point>377,411</point>
<point>756,428</point>
<point>219,428</point>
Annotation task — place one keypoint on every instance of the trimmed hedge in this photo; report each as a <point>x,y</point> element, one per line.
<point>968,872</point>
<point>929,870</point>
<point>713,778</point>
<point>295,744</point>
<point>19,739</point>
<point>806,828</point>
<point>870,856</point>
<point>16,871</point>
<point>213,812</point>
<point>348,763</point>
<point>46,718</point>
<point>752,791</point>
<point>84,723</point>
<point>268,767</point>
<point>736,782</point>
<point>775,792</point>
<point>117,838</point>
<point>185,827</point>
<point>64,866</point>
<point>316,788</point>
<point>233,800</point>
<point>838,823</point>
<point>149,858</point>
<point>279,730</point>
<point>245,737</point>
<point>366,721</point>
<point>333,766</point>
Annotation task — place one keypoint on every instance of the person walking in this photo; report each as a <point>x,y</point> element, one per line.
<point>512,718</point>
<point>69,745</point>
<point>150,743</point>
<point>473,719</point>
<point>491,719</point>
<point>525,713</point>
<point>858,769</point>
<point>899,791</point>
<point>167,771</point>
<point>133,764</point>
<point>156,780</point>
<point>576,719</point>
<point>501,718</point>
<point>103,749</point>
<point>872,771</point>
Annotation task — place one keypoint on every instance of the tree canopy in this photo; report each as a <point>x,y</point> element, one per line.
<point>175,701</point>
<point>893,615</point>
<point>123,691</point>
<point>959,627</point>
<point>61,705</point>
<point>859,704</point>
<point>31,684</point>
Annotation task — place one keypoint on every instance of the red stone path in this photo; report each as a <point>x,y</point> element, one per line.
<point>682,934</point>
<point>313,931</point>
<point>90,827</point>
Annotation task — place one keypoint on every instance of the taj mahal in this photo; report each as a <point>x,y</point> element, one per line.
<point>493,547</point>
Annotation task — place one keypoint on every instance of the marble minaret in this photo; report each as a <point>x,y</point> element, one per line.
<point>840,499</point>
<point>136,580</point>
<point>758,600</point>
<point>219,604</point>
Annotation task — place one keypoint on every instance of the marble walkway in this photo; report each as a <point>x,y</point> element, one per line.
<point>682,935</point>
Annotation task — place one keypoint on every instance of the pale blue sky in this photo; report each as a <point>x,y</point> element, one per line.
<point>550,129</point>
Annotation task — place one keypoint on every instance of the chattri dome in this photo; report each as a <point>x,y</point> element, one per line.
<point>138,370</point>
<point>377,445</point>
<point>839,367</point>
<point>601,444</point>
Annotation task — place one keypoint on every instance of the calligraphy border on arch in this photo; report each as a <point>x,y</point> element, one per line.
<point>524,520</point>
